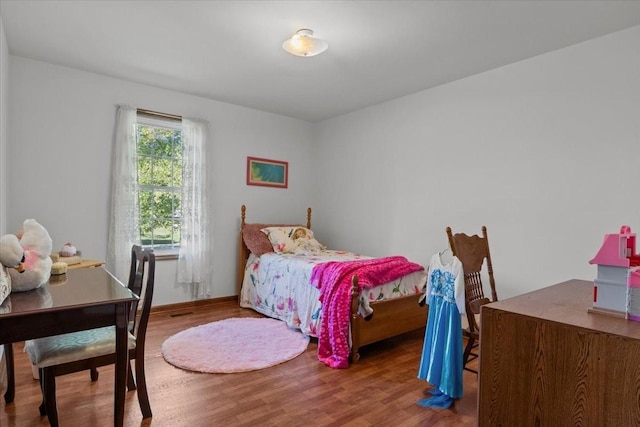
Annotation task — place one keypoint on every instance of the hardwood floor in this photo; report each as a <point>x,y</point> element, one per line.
<point>380,389</point>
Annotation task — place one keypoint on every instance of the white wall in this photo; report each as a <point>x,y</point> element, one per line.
<point>544,152</point>
<point>4,102</point>
<point>61,133</point>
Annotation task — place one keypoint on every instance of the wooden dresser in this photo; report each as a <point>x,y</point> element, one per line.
<point>546,361</point>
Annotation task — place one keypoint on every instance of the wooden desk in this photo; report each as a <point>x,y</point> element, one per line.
<point>85,263</point>
<point>88,298</point>
<point>546,361</point>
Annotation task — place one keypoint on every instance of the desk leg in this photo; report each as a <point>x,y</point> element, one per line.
<point>122,363</point>
<point>11,380</point>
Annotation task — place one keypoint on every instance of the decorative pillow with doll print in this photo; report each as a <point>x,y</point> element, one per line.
<point>293,240</point>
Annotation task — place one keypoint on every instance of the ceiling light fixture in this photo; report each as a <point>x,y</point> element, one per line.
<point>302,43</point>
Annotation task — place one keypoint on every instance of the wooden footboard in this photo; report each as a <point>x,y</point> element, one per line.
<point>390,318</point>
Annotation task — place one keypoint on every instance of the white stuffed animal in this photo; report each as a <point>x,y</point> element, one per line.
<point>37,245</point>
<point>11,256</point>
<point>68,250</point>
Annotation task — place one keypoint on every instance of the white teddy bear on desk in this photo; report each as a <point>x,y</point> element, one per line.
<point>37,246</point>
<point>11,257</point>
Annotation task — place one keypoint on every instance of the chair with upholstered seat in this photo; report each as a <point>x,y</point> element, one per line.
<point>473,251</point>
<point>90,349</point>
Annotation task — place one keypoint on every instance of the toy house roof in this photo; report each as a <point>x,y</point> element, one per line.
<point>618,249</point>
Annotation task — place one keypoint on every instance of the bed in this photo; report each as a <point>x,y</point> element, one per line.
<point>289,286</point>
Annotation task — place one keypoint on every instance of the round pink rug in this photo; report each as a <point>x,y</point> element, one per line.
<point>234,345</point>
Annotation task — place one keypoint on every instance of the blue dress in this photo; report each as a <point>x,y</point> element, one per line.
<point>441,363</point>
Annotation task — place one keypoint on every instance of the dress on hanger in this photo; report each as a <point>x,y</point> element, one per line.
<point>441,363</point>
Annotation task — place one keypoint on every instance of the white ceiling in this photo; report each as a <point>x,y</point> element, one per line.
<point>231,50</point>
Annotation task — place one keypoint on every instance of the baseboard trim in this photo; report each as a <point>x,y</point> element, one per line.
<point>182,306</point>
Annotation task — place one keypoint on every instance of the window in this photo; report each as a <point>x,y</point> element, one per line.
<point>149,198</point>
<point>159,154</point>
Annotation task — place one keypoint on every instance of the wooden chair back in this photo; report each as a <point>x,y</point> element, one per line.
<point>473,251</point>
<point>141,282</point>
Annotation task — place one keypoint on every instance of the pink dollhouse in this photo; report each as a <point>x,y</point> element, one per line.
<point>616,289</point>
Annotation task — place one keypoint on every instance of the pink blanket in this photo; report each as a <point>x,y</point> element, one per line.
<point>334,281</point>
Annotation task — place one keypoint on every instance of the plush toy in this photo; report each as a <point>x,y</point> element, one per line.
<point>68,250</point>
<point>11,256</point>
<point>37,245</point>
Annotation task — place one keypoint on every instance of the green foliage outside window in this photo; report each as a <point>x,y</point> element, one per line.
<point>159,180</point>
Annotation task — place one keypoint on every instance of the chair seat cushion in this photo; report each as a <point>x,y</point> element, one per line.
<point>65,348</point>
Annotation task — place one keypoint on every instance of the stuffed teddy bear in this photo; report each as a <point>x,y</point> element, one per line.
<point>11,256</point>
<point>37,245</point>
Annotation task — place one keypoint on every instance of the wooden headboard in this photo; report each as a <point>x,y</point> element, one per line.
<point>243,252</point>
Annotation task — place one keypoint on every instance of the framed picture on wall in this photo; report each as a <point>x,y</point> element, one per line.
<point>267,172</point>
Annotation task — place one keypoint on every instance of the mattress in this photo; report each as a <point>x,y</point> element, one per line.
<point>278,286</point>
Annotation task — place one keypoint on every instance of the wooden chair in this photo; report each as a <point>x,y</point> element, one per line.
<point>472,251</point>
<point>90,349</point>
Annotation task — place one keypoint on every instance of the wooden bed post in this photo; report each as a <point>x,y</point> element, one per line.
<point>309,218</point>
<point>355,325</point>
<point>242,252</point>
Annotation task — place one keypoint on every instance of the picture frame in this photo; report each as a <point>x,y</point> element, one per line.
<point>267,172</point>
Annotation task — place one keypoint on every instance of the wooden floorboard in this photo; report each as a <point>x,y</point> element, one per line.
<point>379,390</point>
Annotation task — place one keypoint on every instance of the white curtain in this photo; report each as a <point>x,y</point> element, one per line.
<point>123,229</point>
<point>194,262</point>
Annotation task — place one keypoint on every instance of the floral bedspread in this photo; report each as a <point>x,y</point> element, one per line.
<point>279,286</point>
